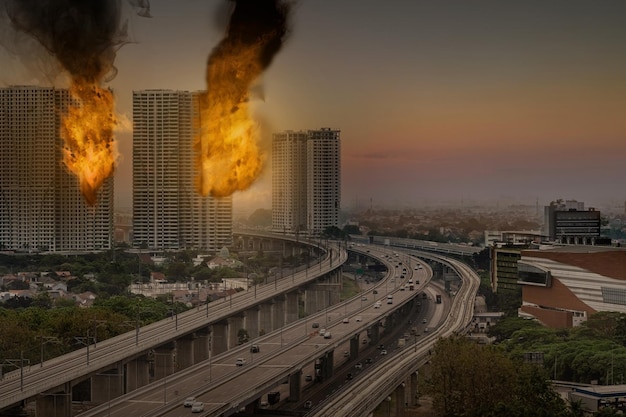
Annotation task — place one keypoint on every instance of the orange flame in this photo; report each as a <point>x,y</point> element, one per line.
<point>87,130</point>
<point>228,156</point>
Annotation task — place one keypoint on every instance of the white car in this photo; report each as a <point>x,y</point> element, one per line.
<point>240,361</point>
<point>189,401</point>
<point>322,332</point>
<point>383,352</point>
<point>197,407</point>
<point>359,365</point>
<point>346,320</point>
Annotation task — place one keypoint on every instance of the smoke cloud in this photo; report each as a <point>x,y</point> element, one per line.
<point>83,35</point>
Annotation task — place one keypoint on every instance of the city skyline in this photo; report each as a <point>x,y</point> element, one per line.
<point>462,101</point>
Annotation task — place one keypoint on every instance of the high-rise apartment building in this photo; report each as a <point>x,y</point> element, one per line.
<point>168,213</point>
<point>41,206</point>
<point>306,180</point>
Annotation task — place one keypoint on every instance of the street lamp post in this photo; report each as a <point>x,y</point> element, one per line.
<point>44,340</point>
<point>85,341</point>
<point>96,324</point>
<point>17,363</point>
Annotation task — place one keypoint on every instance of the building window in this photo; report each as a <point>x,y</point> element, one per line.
<point>614,295</point>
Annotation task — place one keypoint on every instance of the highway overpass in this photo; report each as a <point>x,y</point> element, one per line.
<point>286,356</point>
<point>262,309</point>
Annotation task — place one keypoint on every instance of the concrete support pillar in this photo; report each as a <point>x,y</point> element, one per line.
<point>137,373</point>
<point>201,345</point>
<point>106,386</point>
<point>291,306</point>
<point>163,361</point>
<point>354,346</point>
<point>251,321</point>
<point>220,337</point>
<point>185,351</point>
<point>374,333</point>
<point>278,312</point>
<point>57,403</point>
<point>265,319</point>
<point>413,390</point>
<point>314,300</point>
<point>295,388</point>
<point>397,400</point>
<point>326,365</point>
<point>235,323</point>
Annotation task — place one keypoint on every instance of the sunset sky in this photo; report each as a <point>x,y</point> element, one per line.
<point>435,100</point>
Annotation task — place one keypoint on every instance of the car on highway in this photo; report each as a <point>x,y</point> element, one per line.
<point>358,319</point>
<point>308,405</point>
<point>322,332</point>
<point>240,361</point>
<point>377,304</point>
<point>197,407</point>
<point>315,325</point>
<point>368,360</point>
<point>308,378</point>
<point>255,348</point>
<point>327,335</point>
<point>424,321</point>
<point>346,320</point>
<point>346,354</point>
<point>359,365</point>
<point>383,352</point>
<point>364,298</point>
<point>349,376</point>
<point>189,401</point>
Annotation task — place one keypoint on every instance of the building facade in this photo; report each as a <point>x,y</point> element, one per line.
<point>563,286</point>
<point>41,206</point>
<point>306,180</point>
<point>568,222</point>
<point>168,213</point>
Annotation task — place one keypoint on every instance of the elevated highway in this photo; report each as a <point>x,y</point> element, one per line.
<point>286,356</point>
<point>396,381</point>
<point>131,356</point>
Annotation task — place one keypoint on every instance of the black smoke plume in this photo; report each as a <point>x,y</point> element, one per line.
<point>83,35</point>
<point>252,22</point>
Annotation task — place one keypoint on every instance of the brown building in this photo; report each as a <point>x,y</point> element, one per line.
<point>563,286</point>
